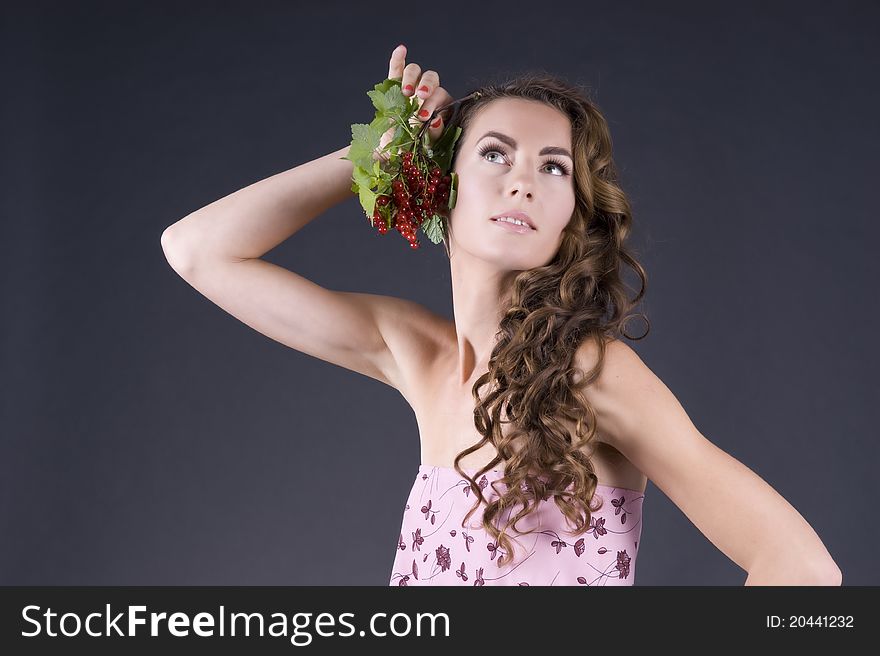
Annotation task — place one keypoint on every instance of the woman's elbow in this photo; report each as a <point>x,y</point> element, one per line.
<point>833,576</point>
<point>826,573</point>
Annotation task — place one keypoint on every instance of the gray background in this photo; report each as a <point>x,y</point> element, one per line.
<point>150,438</point>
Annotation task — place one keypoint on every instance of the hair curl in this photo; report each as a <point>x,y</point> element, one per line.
<point>579,295</point>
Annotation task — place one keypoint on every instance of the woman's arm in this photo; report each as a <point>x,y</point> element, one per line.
<point>731,505</point>
<point>250,222</point>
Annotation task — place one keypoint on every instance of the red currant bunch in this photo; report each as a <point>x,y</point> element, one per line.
<point>418,191</point>
<point>399,172</point>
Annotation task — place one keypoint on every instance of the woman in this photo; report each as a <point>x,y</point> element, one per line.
<point>528,399</point>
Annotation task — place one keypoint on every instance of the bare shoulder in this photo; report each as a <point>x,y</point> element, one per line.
<point>623,376</point>
<point>618,358</point>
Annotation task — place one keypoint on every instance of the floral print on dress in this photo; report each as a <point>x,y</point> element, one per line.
<point>437,550</point>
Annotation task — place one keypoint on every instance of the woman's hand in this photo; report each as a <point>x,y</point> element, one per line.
<point>426,88</point>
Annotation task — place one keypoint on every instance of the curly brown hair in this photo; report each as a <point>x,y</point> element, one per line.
<point>550,311</point>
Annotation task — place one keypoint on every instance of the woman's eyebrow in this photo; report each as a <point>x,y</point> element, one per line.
<point>510,141</point>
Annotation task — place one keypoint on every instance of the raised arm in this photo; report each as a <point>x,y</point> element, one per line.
<point>218,249</point>
<point>250,222</point>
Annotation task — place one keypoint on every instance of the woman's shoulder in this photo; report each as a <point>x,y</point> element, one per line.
<point>613,387</point>
<point>616,354</point>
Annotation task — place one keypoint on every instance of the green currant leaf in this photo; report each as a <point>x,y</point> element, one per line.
<point>364,141</point>
<point>361,177</point>
<point>433,228</point>
<point>387,96</point>
<point>386,84</point>
<point>394,99</point>
<point>453,191</point>
<point>444,147</point>
<point>381,123</point>
<point>368,201</point>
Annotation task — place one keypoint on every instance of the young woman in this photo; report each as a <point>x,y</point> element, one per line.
<point>528,404</point>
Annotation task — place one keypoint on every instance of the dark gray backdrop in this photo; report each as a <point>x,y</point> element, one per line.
<point>150,438</point>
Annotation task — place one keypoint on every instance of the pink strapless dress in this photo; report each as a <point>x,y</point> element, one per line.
<point>436,550</point>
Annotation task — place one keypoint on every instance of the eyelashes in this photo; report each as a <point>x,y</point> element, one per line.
<point>490,147</point>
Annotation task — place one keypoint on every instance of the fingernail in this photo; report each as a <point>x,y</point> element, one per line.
<point>423,112</point>
<point>436,124</point>
<point>409,88</point>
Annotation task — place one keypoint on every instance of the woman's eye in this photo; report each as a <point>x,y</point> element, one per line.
<point>494,151</point>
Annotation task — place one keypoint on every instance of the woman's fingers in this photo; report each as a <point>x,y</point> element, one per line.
<point>430,81</point>
<point>411,73</point>
<point>397,63</point>
<point>424,86</point>
<point>438,98</point>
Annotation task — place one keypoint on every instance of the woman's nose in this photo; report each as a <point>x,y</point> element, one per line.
<point>522,181</point>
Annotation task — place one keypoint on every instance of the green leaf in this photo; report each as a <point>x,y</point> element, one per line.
<point>445,146</point>
<point>363,186</point>
<point>433,228</point>
<point>386,95</point>
<point>364,140</point>
<point>361,177</point>
<point>368,201</point>
<point>390,101</point>
<point>379,101</point>
<point>395,100</point>
<point>399,135</point>
<point>386,84</point>
<point>453,191</point>
<point>381,123</point>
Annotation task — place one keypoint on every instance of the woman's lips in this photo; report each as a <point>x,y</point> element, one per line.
<point>512,227</point>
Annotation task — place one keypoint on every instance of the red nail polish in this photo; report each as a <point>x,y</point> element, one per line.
<point>436,124</point>
<point>423,88</point>
<point>423,112</point>
<point>408,87</point>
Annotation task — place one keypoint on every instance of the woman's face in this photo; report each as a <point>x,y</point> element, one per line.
<point>496,177</point>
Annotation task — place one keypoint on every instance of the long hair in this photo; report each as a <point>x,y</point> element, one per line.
<point>550,311</point>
